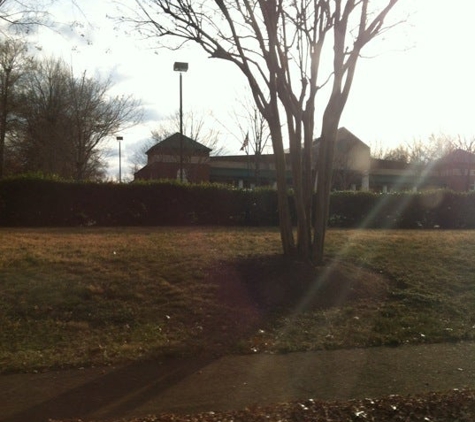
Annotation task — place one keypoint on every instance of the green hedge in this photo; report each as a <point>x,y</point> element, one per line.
<point>47,202</point>
<point>42,202</point>
<point>404,210</point>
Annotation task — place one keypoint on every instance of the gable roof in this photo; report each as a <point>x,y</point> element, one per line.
<point>244,159</point>
<point>173,142</point>
<point>346,137</point>
<point>458,156</point>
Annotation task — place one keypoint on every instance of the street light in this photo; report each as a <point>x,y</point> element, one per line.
<point>120,138</point>
<point>181,67</point>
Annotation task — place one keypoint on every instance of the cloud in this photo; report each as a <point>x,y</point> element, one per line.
<point>151,114</point>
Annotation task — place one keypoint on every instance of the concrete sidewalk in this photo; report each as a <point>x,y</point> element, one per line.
<point>234,382</point>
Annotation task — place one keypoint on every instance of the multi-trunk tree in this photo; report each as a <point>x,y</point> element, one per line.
<point>290,52</point>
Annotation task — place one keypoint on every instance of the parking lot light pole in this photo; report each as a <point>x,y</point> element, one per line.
<point>181,67</point>
<point>119,139</point>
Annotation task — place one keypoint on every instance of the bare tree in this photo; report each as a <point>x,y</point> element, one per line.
<point>38,140</point>
<point>65,119</point>
<point>439,145</point>
<point>278,45</point>
<point>400,154</point>
<point>460,142</point>
<point>424,151</point>
<point>23,15</point>
<point>14,63</point>
<point>194,126</point>
<point>139,156</point>
<point>95,117</point>
<point>254,131</point>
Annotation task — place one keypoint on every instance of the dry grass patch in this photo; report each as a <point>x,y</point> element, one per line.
<point>92,296</point>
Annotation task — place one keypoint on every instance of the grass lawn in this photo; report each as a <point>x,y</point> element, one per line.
<point>98,296</point>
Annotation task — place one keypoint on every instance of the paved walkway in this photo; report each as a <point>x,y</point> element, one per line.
<point>234,382</point>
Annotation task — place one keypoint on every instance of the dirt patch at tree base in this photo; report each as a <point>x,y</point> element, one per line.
<point>262,285</point>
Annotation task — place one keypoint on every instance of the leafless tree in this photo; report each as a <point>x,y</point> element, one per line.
<point>95,117</point>
<point>280,47</point>
<point>400,154</point>
<point>65,119</point>
<point>14,64</point>
<point>254,134</point>
<point>439,145</point>
<point>425,151</point>
<point>196,127</point>
<point>24,15</point>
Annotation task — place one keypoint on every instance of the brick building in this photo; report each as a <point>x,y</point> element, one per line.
<point>354,169</point>
<point>165,159</point>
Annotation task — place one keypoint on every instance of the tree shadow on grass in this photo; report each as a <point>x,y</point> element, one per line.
<point>275,282</point>
<point>258,291</point>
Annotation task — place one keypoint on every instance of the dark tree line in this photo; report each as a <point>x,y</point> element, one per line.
<point>53,121</point>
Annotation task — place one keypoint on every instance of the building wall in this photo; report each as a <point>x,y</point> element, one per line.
<point>353,169</point>
<point>458,170</point>
<point>194,173</point>
<point>458,182</point>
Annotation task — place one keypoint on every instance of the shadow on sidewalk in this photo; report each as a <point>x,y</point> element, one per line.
<point>109,395</point>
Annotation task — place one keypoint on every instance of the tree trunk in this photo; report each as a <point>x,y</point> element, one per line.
<point>3,120</point>
<point>307,182</point>
<point>325,169</point>
<point>285,220</point>
<point>303,218</point>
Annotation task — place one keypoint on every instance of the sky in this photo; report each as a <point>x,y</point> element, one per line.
<point>419,81</point>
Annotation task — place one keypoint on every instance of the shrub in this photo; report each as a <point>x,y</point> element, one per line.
<point>38,201</point>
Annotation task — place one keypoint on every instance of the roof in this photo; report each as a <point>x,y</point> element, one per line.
<point>345,136</point>
<point>243,158</point>
<point>173,142</point>
<point>458,156</point>
<point>378,163</point>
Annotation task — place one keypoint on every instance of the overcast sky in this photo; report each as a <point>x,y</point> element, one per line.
<point>421,82</point>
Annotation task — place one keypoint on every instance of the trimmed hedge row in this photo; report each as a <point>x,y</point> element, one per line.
<point>43,202</point>
<point>406,210</point>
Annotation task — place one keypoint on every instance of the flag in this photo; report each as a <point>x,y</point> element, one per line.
<point>245,143</point>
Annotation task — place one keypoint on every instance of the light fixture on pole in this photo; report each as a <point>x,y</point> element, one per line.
<point>181,67</point>
<point>120,138</point>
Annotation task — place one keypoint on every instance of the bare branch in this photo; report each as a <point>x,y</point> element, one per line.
<point>279,47</point>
